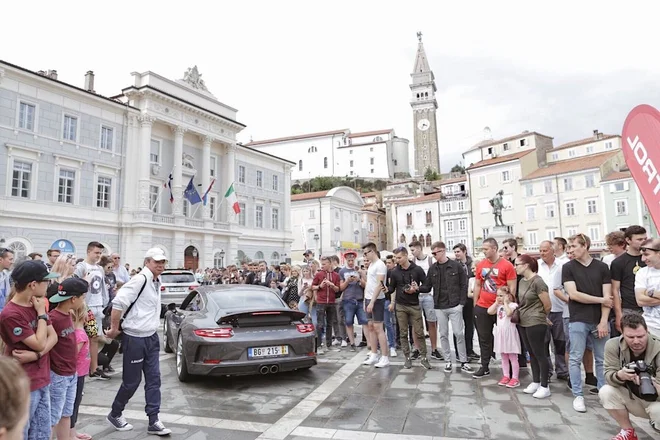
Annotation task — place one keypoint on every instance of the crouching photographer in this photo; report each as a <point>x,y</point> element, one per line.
<point>632,368</point>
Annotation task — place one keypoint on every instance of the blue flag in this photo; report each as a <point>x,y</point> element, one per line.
<point>191,193</point>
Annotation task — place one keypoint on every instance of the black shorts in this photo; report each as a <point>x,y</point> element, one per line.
<point>378,313</point>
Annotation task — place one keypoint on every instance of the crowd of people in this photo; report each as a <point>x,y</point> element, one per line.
<point>560,312</point>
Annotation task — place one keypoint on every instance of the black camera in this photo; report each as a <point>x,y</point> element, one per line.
<point>406,287</point>
<point>645,373</point>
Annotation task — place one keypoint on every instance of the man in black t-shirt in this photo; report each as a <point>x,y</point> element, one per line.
<point>589,287</point>
<point>623,270</point>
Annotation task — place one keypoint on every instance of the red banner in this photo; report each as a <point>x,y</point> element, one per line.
<point>641,148</point>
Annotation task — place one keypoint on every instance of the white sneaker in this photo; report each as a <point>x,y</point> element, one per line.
<point>448,367</point>
<point>532,388</point>
<point>319,350</point>
<point>371,360</point>
<point>383,362</point>
<point>335,342</point>
<point>578,404</point>
<point>542,393</point>
<point>393,352</point>
<point>343,343</point>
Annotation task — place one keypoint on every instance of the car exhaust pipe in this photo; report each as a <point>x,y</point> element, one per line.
<point>264,370</point>
<point>274,369</point>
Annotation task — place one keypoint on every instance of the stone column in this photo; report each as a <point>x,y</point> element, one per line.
<point>206,253</point>
<point>285,215</point>
<point>230,171</point>
<point>177,184</point>
<point>206,174</point>
<point>178,248</point>
<point>146,122</point>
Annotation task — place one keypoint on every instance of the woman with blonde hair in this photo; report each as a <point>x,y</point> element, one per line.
<point>14,400</point>
<point>64,265</point>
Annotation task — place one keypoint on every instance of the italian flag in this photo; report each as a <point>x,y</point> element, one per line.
<point>230,195</point>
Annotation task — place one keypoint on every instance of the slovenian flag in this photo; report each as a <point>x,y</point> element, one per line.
<point>204,197</point>
<point>168,184</point>
<point>230,195</point>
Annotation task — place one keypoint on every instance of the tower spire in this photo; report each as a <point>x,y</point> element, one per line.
<point>421,63</point>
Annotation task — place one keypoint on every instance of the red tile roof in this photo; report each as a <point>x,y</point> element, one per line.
<point>369,194</point>
<point>584,141</point>
<point>571,165</point>
<point>488,142</point>
<point>616,175</point>
<point>298,137</point>
<point>463,178</point>
<point>419,199</point>
<point>308,196</point>
<point>370,133</point>
<point>500,159</point>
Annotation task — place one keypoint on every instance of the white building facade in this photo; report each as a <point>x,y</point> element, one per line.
<point>98,167</point>
<point>370,155</point>
<point>327,222</point>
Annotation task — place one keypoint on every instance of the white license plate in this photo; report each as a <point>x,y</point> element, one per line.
<point>259,352</point>
<point>177,289</point>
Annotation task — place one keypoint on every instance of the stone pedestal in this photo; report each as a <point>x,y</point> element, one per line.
<point>500,233</point>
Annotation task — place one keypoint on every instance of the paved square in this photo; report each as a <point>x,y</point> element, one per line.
<point>342,399</point>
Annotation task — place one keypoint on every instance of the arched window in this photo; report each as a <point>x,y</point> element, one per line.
<point>312,149</point>
<point>325,162</point>
<point>402,239</point>
<point>429,217</point>
<point>378,139</point>
<point>20,250</point>
<point>259,255</point>
<point>428,240</point>
<point>275,258</point>
<point>409,219</point>
<point>414,238</point>
<point>418,96</point>
<point>426,94</point>
<point>300,165</point>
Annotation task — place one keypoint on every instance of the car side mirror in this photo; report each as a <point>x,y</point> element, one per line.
<point>171,307</point>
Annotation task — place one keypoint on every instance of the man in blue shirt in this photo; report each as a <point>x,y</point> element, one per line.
<point>6,261</point>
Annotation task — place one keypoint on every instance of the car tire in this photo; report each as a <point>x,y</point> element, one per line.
<point>181,366</point>
<point>166,339</point>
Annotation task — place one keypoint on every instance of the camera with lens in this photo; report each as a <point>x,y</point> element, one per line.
<point>406,287</point>
<point>645,373</point>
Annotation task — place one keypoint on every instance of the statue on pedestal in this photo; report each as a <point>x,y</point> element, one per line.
<point>496,203</point>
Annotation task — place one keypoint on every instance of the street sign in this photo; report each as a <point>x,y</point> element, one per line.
<point>641,149</point>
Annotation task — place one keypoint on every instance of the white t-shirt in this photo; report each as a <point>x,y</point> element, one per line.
<point>97,296</point>
<point>375,269</point>
<point>649,278</point>
<point>424,263</point>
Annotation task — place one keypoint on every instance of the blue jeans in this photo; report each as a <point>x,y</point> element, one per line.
<point>353,308</point>
<point>579,334</point>
<point>38,425</point>
<point>304,307</point>
<point>389,325</point>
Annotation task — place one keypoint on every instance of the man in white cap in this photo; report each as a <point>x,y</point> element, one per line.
<point>140,341</point>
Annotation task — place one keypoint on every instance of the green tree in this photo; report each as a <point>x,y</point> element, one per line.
<point>431,174</point>
<point>458,168</point>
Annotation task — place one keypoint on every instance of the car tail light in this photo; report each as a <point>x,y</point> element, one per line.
<point>305,328</point>
<point>193,287</point>
<point>212,361</point>
<point>222,332</point>
<point>266,313</point>
<point>162,288</point>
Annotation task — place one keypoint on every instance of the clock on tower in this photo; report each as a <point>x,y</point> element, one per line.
<point>424,105</point>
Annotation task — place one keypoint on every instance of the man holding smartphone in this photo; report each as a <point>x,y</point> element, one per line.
<point>352,288</point>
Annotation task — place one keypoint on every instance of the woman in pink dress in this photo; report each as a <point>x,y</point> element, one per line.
<point>507,341</point>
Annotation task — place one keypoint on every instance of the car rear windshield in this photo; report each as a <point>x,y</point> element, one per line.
<point>177,277</point>
<point>241,299</point>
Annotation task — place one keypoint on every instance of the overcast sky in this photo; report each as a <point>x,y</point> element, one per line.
<point>300,67</point>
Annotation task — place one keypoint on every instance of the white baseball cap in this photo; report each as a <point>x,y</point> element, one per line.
<point>156,254</point>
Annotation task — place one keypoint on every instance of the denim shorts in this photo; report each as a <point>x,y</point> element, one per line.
<point>353,308</point>
<point>38,425</point>
<point>427,305</point>
<point>62,396</point>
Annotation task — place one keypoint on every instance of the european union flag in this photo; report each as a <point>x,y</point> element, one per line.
<point>191,193</point>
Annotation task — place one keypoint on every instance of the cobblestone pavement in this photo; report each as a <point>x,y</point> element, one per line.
<point>342,399</point>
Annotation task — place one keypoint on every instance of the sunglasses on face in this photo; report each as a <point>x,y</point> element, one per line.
<point>438,252</point>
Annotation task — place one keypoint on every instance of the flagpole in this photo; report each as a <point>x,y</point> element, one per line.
<point>161,187</point>
<point>195,211</point>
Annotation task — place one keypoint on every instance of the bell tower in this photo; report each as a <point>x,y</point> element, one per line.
<point>424,105</point>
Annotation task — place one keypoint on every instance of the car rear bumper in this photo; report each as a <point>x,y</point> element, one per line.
<point>237,368</point>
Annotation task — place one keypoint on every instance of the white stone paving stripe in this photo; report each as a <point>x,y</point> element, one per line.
<point>180,419</point>
<point>291,420</point>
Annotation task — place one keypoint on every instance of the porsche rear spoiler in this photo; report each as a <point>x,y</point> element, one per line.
<point>260,318</point>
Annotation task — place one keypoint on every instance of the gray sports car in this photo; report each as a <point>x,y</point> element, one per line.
<point>237,330</point>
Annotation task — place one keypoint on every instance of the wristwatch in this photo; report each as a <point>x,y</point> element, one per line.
<point>44,317</point>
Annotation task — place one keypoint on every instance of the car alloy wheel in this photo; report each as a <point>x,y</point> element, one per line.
<point>181,367</point>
